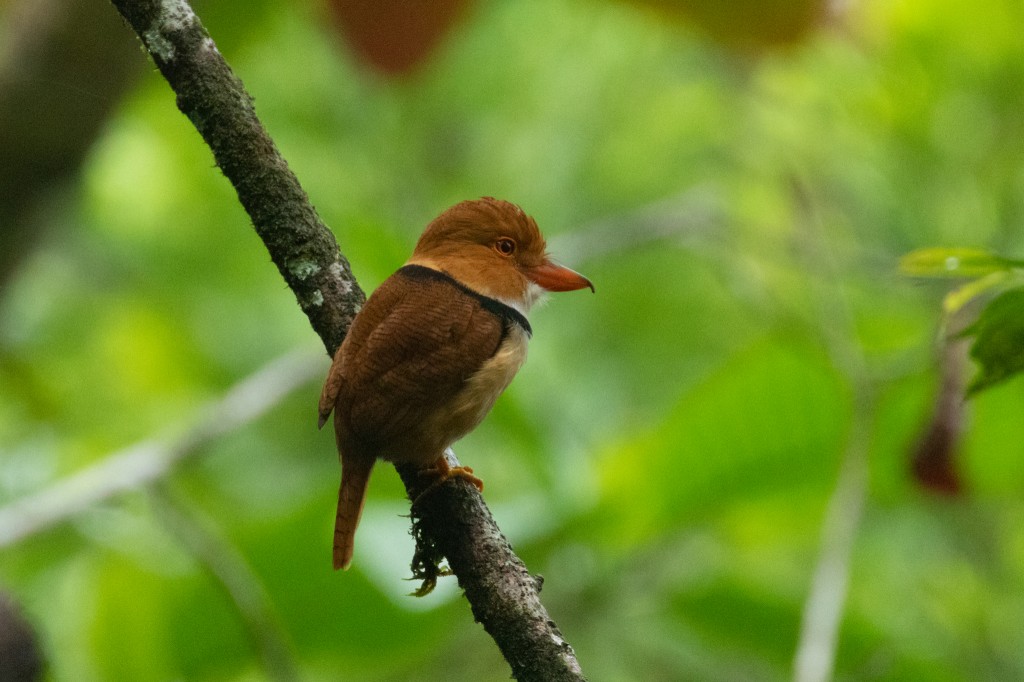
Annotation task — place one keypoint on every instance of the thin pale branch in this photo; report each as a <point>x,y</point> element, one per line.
<point>229,569</point>
<point>308,257</point>
<point>151,460</point>
<point>819,629</point>
<point>814,659</point>
<point>689,217</point>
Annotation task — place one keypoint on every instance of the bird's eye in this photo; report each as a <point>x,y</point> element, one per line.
<point>505,246</point>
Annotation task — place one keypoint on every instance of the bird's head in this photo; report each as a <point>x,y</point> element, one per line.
<point>494,248</point>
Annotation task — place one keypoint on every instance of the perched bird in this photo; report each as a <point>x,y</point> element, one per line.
<point>434,347</point>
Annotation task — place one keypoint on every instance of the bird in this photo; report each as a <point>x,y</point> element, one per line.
<point>433,347</point>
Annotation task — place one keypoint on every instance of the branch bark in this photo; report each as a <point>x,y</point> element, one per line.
<point>503,595</point>
<point>213,98</point>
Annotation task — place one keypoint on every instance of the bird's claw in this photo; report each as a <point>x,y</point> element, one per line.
<point>441,471</point>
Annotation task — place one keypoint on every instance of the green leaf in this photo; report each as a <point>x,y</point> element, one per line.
<point>999,340</point>
<point>954,262</point>
<point>964,294</point>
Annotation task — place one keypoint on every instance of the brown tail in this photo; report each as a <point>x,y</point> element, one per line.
<point>355,476</point>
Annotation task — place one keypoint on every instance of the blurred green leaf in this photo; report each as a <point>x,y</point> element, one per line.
<point>771,418</point>
<point>955,300</point>
<point>954,262</point>
<point>998,340</point>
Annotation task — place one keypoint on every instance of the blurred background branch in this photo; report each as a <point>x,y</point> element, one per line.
<point>228,567</point>
<point>147,462</point>
<point>64,67</point>
<point>21,659</point>
<point>690,218</point>
<point>825,605</point>
<point>815,657</point>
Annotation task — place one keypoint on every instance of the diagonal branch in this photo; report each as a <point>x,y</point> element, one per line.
<point>815,656</point>
<point>149,461</point>
<point>814,660</point>
<point>232,573</point>
<point>503,596</point>
<point>209,93</point>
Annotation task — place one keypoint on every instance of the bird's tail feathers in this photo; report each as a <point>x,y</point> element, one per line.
<point>355,476</point>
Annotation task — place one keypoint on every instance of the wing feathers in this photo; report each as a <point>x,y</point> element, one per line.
<point>329,394</point>
<point>419,342</point>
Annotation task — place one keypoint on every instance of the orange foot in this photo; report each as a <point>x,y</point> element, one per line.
<point>441,471</point>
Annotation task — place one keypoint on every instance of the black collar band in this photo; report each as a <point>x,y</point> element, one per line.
<point>503,310</point>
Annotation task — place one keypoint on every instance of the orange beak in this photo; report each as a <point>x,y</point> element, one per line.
<point>553,277</point>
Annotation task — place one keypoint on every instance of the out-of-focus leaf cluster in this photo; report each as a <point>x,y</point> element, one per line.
<point>998,331</point>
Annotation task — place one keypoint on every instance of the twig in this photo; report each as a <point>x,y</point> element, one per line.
<point>151,460</point>
<point>689,216</point>
<point>814,660</point>
<point>230,570</point>
<point>819,630</point>
<point>307,255</point>
<point>934,453</point>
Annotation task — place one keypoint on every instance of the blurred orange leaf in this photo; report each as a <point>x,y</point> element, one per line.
<point>392,36</point>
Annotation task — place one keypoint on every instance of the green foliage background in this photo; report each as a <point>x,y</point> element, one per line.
<point>665,458</point>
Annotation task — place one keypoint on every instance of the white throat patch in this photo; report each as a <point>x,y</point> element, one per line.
<point>534,294</point>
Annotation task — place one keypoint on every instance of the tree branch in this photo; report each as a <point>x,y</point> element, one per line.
<point>149,461</point>
<point>503,595</point>
<point>691,217</point>
<point>815,656</point>
<point>213,98</point>
<point>814,660</point>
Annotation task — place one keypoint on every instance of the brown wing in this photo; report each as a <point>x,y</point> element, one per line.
<point>409,352</point>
